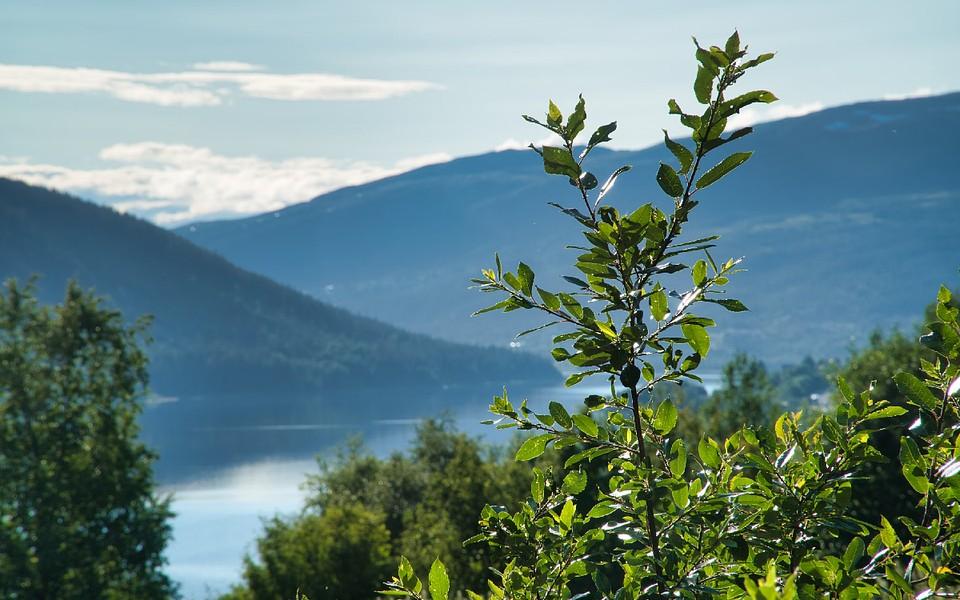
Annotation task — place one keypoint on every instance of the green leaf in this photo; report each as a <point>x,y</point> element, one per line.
<point>669,181</point>
<point>684,156</point>
<point>709,454</point>
<point>560,414</point>
<point>549,300</point>
<point>512,281</point>
<point>586,425</point>
<point>678,458</point>
<point>606,330</point>
<point>729,303</point>
<point>665,419</point>
<point>916,392</point>
<point>658,305</point>
<point>535,329</point>
<point>526,276</point>
<point>559,161</point>
<point>554,116</point>
<point>699,273</point>
<point>854,552</point>
<point>575,482</point>
<point>732,47</point>
<point>943,295</point>
<point>697,338</point>
<point>909,452</point>
<point>886,413</point>
<point>887,534</point>
<point>913,465</point>
<point>533,447</point>
<point>602,134</point>
<point>680,495</point>
<point>576,119</point>
<point>497,306</point>
<point>733,106</point>
<point>439,582</point>
<point>703,85</point>
<point>406,575</point>
<point>725,166</point>
<point>756,61</point>
<point>567,513</point>
<point>898,580</point>
<point>538,485</point>
<point>601,509</point>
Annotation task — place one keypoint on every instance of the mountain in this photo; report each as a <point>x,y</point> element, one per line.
<point>233,347</point>
<point>848,219</point>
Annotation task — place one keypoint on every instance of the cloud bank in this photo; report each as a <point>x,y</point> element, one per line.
<point>207,85</point>
<point>175,183</point>
<point>771,112</point>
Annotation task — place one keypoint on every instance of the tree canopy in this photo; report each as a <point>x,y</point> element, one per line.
<point>79,515</point>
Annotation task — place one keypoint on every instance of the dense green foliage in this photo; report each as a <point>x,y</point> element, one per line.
<point>763,513</point>
<point>363,513</point>
<point>881,491</point>
<point>79,517</point>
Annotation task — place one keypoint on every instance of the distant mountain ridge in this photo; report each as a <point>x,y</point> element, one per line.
<point>834,214</point>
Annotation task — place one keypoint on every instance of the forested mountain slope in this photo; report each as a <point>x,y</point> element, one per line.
<point>848,219</point>
<point>219,328</point>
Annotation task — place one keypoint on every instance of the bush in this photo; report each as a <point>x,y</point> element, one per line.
<point>764,513</point>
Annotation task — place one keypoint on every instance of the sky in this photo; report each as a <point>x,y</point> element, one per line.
<point>181,111</point>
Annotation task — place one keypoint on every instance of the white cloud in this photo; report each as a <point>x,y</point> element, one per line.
<point>174,183</point>
<point>771,112</point>
<point>551,139</point>
<point>226,65</point>
<point>921,92</point>
<point>202,87</point>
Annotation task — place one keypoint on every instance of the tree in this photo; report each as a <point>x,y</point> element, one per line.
<point>79,517</point>
<point>420,504</point>
<point>755,515</point>
<point>340,553</point>
<point>746,398</point>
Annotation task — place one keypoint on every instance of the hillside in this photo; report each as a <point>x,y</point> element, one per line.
<point>834,213</point>
<point>233,347</point>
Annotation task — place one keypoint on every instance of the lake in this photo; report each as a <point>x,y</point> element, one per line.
<point>219,510</point>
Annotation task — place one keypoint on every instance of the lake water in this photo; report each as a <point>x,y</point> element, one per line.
<point>219,513</point>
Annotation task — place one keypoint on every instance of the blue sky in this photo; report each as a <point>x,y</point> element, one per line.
<point>125,102</point>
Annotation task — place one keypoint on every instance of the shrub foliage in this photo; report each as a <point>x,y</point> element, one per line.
<point>763,513</point>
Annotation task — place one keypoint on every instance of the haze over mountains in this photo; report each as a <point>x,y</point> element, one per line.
<point>849,218</point>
